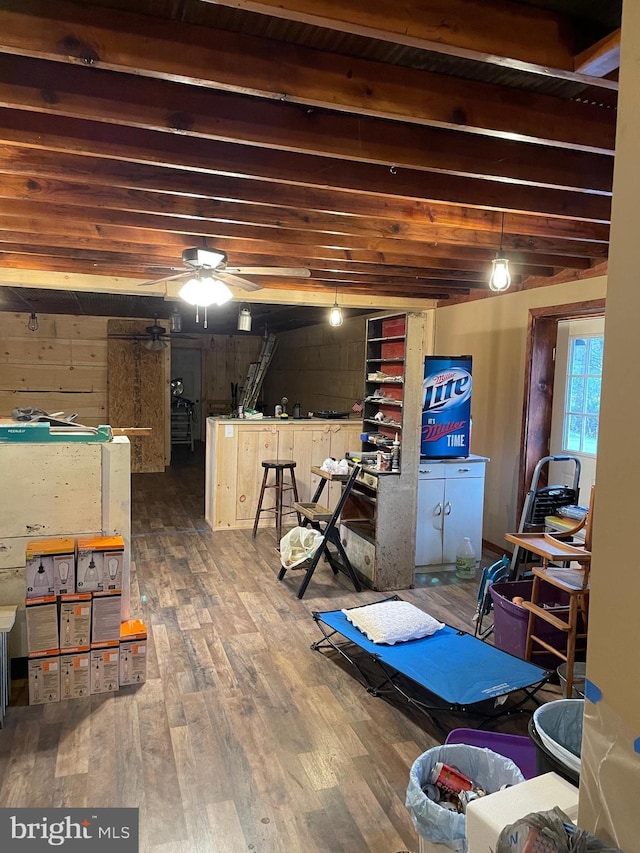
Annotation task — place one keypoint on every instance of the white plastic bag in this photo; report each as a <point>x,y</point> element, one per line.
<point>487,769</point>
<point>298,545</point>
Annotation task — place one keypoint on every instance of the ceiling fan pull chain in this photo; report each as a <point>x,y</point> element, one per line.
<point>204,325</point>
<point>197,315</point>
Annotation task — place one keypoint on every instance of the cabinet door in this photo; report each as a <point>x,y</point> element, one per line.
<point>463,504</point>
<point>429,523</point>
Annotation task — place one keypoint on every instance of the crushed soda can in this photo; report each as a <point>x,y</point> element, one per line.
<point>432,792</point>
<point>449,778</point>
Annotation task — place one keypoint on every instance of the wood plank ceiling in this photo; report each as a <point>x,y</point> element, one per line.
<point>390,148</point>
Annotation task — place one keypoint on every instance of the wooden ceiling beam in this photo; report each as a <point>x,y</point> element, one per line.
<point>309,170</point>
<point>172,50</point>
<point>92,170</point>
<point>601,58</point>
<point>64,230</point>
<point>507,34</point>
<point>167,107</point>
<point>322,227</point>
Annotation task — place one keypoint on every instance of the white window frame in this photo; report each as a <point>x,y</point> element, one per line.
<point>583,414</point>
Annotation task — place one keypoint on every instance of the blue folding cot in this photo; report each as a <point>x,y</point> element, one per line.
<point>460,673</point>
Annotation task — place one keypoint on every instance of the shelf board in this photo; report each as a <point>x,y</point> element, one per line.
<point>388,424</point>
<point>384,401</point>
<point>384,340</point>
<point>386,360</point>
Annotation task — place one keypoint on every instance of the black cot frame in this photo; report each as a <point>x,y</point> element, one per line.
<point>385,676</point>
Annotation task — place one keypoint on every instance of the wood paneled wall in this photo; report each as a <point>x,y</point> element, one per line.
<point>320,366</point>
<point>61,367</point>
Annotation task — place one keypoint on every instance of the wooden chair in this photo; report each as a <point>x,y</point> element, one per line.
<point>572,619</point>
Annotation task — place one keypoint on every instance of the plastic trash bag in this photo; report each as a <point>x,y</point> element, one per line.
<point>559,727</point>
<point>486,768</point>
<point>334,466</point>
<point>298,545</point>
<point>556,829</point>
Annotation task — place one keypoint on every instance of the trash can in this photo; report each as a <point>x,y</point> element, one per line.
<point>556,730</point>
<point>439,829</point>
<point>579,676</point>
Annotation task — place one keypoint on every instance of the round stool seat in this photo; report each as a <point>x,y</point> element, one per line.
<point>278,463</point>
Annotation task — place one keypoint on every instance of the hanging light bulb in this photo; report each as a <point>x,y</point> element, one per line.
<point>335,317</point>
<point>32,325</point>
<point>244,318</point>
<point>500,278</point>
<point>175,320</point>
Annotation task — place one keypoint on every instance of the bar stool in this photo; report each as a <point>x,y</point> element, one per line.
<point>279,466</point>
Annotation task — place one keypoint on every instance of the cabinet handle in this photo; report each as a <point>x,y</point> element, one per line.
<point>438,509</point>
<point>424,471</point>
<point>447,508</point>
<point>463,469</point>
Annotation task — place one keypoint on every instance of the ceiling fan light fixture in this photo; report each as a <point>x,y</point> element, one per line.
<point>244,318</point>
<point>221,291</point>
<point>198,291</point>
<point>155,345</point>
<point>211,258</point>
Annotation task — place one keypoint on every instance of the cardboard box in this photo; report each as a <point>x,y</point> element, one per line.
<point>74,675</point>
<point>133,652</point>
<point>50,566</point>
<point>75,622</point>
<point>105,667</point>
<point>105,617</point>
<point>44,679</point>
<point>42,624</point>
<point>100,564</point>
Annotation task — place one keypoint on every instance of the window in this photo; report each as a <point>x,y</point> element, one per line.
<point>582,396</point>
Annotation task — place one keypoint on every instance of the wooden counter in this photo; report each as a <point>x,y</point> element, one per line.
<point>236,447</point>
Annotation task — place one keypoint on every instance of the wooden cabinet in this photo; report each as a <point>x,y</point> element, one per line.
<point>450,507</point>
<point>236,449</point>
<point>60,489</point>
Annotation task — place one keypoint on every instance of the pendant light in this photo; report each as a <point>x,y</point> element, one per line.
<point>335,317</point>
<point>500,278</point>
<point>244,318</point>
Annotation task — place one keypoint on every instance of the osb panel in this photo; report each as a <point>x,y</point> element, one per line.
<point>136,390</point>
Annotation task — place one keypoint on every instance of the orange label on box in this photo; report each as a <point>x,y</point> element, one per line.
<point>101,543</point>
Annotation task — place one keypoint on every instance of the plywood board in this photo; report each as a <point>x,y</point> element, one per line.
<point>137,388</point>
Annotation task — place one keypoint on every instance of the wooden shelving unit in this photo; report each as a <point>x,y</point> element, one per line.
<point>378,528</point>
<point>384,380</point>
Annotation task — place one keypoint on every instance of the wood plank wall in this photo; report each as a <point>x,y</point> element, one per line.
<point>225,360</point>
<point>61,367</point>
<point>320,366</point>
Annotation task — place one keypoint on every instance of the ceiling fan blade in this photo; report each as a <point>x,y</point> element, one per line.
<point>297,272</point>
<point>237,281</point>
<point>166,278</point>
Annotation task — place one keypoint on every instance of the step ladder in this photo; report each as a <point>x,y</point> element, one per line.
<point>257,372</point>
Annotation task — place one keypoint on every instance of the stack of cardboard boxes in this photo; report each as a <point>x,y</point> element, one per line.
<point>77,643</point>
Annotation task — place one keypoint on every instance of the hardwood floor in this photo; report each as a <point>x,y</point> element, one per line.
<point>242,738</point>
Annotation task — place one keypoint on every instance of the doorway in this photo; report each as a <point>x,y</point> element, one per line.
<point>186,364</point>
<point>542,341</point>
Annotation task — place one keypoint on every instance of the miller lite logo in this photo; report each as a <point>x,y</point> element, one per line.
<point>446,389</point>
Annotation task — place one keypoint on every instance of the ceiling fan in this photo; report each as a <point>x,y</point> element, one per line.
<point>153,340</point>
<point>203,265</point>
